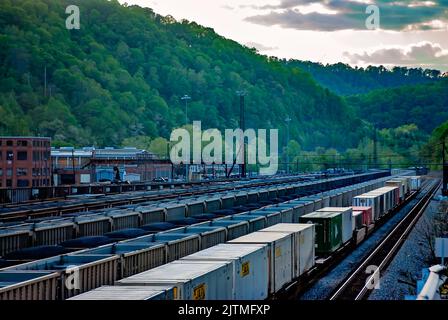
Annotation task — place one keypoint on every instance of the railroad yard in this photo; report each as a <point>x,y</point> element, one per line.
<point>307,237</point>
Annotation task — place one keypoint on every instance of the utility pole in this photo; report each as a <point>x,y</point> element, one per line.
<point>186,98</point>
<point>288,120</point>
<point>45,81</point>
<point>242,95</point>
<point>375,149</point>
<point>445,170</point>
<point>73,164</point>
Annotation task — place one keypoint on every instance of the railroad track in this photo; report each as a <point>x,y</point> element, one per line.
<point>359,284</point>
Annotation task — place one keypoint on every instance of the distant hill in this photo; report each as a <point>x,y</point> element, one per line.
<point>123,74</point>
<point>346,80</point>
<point>425,105</point>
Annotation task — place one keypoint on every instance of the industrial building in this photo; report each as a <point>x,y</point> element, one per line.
<point>25,162</point>
<point>90,165</point>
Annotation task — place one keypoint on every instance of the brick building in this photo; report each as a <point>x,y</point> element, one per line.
<point>25,162</point>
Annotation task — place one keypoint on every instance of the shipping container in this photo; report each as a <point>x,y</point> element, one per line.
<point>250,268</point>
<point>347,218</point>
<point>357,220</point>
<point>304,245</point>
<point>28,285</point>
<point>415,183</point>
<point>328,226</point>
<point>191,280</point>
<point>131,293</point>
<point>373,201</point>
<point>281,255</point>
<point>400,185</point>
<point>366,214</point>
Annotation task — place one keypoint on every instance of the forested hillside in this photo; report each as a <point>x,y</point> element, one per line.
<point>346,80</point>
<point>123,73</point>
<point>424,105</point>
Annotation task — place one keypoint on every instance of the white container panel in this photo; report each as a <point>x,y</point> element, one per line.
<point>250,267</point>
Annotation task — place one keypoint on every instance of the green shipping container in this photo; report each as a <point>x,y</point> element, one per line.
<point>328,230</point>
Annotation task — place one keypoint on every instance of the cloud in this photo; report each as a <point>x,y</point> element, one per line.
<point>424,54</point>
<point>227,7</point>
<point>349,14</point>
<point>260,47</point>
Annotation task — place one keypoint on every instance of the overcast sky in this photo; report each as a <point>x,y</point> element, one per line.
<point>412,32</point>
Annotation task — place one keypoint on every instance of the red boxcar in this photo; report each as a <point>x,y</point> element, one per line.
<point>366,214</point>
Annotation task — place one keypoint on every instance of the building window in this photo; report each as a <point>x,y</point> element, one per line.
<point>9,183</point>
<point>22,155</point>
<point>1,172</point>
<point>9,155</point>
<point>9,143</point>
<point>9,172</point>
<point>1,155</point>
<point>22,172</point>
<point>22,143</point>
<point>22,183</point>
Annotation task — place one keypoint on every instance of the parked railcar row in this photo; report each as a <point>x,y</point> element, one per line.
<point>90,198</point>
<point>94,202</point>
<point>97,223</point>
<point>130,257</point>
<point>251,267</point>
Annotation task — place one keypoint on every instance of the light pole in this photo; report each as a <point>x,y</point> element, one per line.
<point>186,98</point>
<point>242,94</point>
<point>288,120</point>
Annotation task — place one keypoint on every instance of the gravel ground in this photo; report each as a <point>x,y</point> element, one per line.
<point>323,288</point>
<point>400,277</point>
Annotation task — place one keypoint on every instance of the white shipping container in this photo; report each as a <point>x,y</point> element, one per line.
<point>106,293</point>
<point>416,183</point>
<point>366,200</point>
<point>304,244</point>
<point>250,267</point>
<point>347,221</point>
<point>281,255</point>
<point>192,280</point>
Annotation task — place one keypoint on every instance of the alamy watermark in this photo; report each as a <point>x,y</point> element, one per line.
<point>73,20</point>
<point>209,147</point>
<point>373,21</point>
<point>373,281</point>
<point>72,281</point>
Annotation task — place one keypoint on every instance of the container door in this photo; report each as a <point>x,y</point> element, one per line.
<point>283,266</point>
